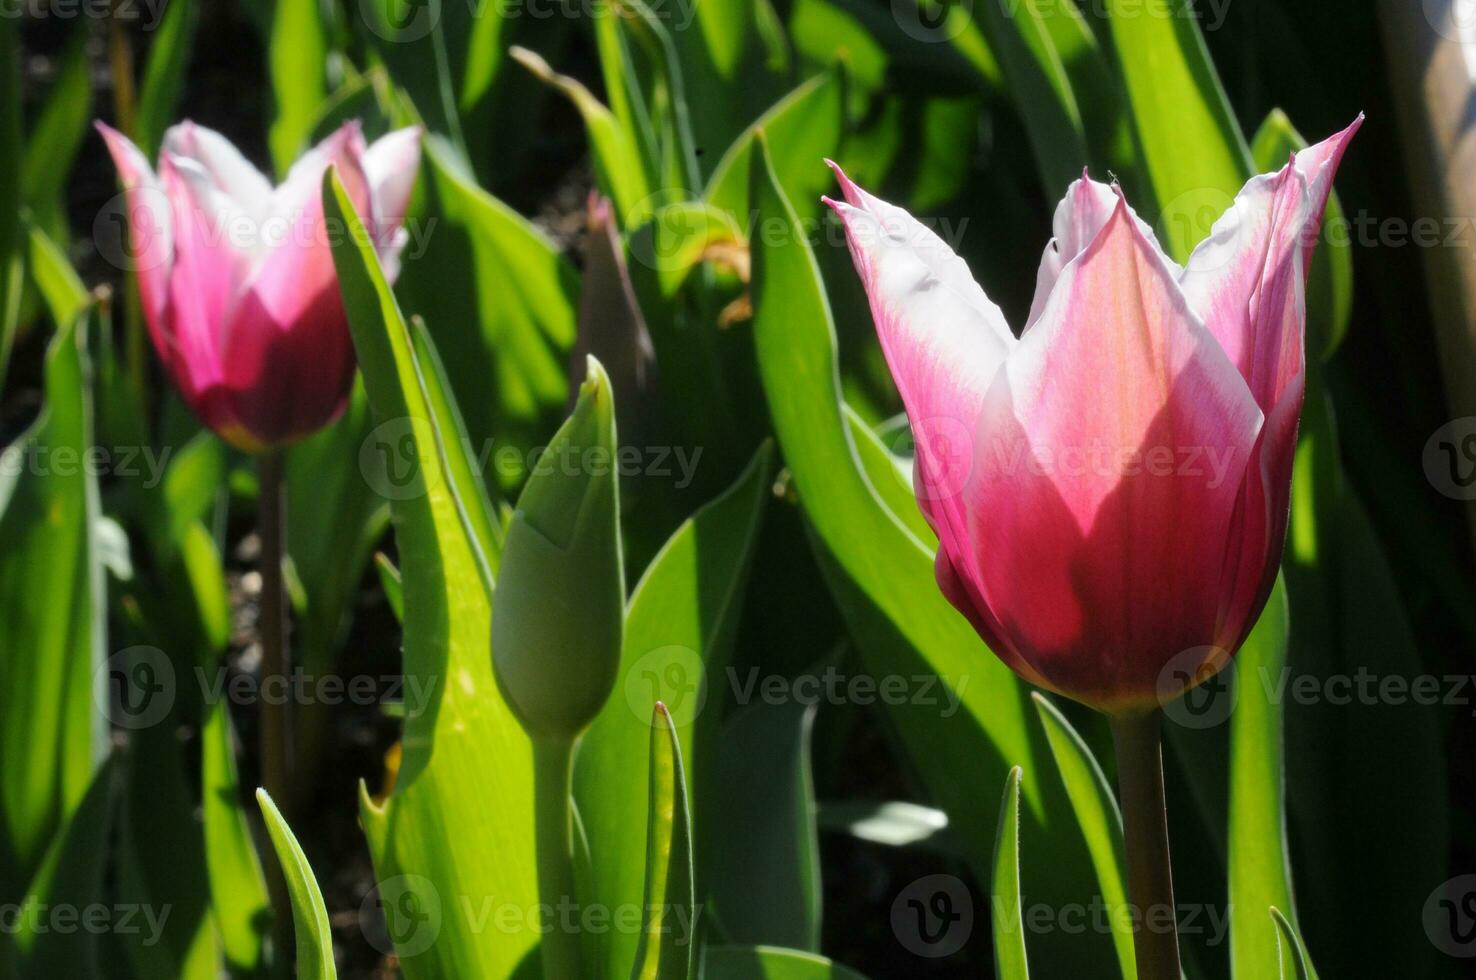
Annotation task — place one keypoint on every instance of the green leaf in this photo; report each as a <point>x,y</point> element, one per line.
<point>52,144</point>
<point>309,914</point>
<point>766,876</point>
<point>1008,918</point>
<point>11,265</point>
<point>1330,279</point>
<point>1189,144</point>
<point>55,279</point>
<point>52,728</point>
<point>1295,963</point>
<point>1258,857</point>
<point>669,920</point>
<point>679,631</point>
<point>297,60</point>
<point>976,715</point>
<point>801,130</point>
<point>432,835</point>
<point>1097,815</point>
<point>392,584</point>
<point>164,73</point>
<point>237,887</point>
<point>70,877</point>
<point>619,170</point>
<point>499,301</point>
<point>770,963</point>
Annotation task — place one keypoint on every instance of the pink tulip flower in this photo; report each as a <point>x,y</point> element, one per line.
<point>236,276</point>
<point>1110,489</point>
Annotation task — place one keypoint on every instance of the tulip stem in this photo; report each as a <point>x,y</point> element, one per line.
<point>553,784</point>
<point>274,719</point>
<point>1145,828</point>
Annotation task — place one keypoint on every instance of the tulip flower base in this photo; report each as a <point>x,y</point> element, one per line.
<point>1145,828</point>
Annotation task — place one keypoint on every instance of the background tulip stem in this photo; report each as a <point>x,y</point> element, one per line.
<point>272,625</point>
<point>1145,826</point>
<point>553,775</point>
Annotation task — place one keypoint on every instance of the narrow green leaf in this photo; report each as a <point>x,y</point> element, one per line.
<point>1007,917</point>
<point>770,963</point>
<point>52,143</point>
<point>668,926</point>
<point>164,73</point>
<point>309,914</point>
<point>392,584</point>
<point>55,279</point>
<point>11,263</point>
<point>1097,815</point>
<point>237,887</point>
<point>1295,963</point>
<point>679,630</point>
<point>431,838</point>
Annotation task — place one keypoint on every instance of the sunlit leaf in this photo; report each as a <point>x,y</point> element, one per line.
<point>310,916</point>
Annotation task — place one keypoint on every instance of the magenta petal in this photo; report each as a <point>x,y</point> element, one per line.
<point>150,231</point>
<point>231,173</point>
<point>390,164</point>
<point>1115,441</point>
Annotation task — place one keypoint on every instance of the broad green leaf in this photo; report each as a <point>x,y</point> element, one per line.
<point>1007,917</point>
<point>71,876</point>
<point>801,129</point>
<point>309,914</point>
<point>499,301</point>
<point>1097,815</point>
<point>238,891</point>
<point>55,279</point>
<point>976,718</point>
<point>766,879</point>
<point>169,56</point>
<point>297,61</point>
<point>770,963</point>
<point>1330,279</point>
<point>1295,963</point>
<point>669,917</point>
<point>679,632</point>
<point>1189,145</point>
<point>52,601</point>
<point>431,838</point>
<point>1258,857</point>
<point>892,483</point>
<point>619,170</point>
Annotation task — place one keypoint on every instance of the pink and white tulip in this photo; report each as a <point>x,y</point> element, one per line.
<point>1110,489</point>
<point>236,276</point>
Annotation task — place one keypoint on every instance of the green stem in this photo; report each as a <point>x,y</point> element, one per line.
<point>272,626</point>
<point>1145,828</point>
<point>553,776</point>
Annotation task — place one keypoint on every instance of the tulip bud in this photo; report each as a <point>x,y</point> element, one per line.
<point>559,610</point>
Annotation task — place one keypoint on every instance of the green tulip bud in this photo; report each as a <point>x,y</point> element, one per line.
<point>558,613</point>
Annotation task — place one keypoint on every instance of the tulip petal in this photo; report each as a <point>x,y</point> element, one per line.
<point>390,164</point>
<point>1080,216</point>
<point>150,234</point>
<point>231,172</point>
<point>942,337</point>
<point>1109,461</point>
